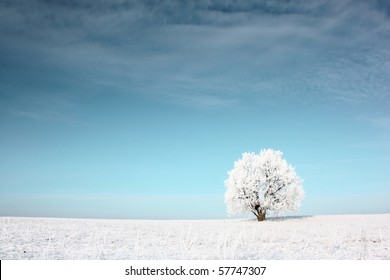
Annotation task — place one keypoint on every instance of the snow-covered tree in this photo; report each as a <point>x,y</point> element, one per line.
<point>263,182</point>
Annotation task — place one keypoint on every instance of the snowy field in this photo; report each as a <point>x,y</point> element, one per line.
<point>318,237</point>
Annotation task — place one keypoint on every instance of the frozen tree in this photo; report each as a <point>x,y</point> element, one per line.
<point>263,182</point>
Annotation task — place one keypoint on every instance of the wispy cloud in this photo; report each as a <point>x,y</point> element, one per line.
<point>372,144</point>
<point>209,54</point>
<point>377,120</point>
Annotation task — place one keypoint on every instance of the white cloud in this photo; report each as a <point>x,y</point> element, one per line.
<point>377,120</point>
<point>214,53</point>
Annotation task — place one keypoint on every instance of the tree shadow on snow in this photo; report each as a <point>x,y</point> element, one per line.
<point>280,218</point>
<point>288,218</point>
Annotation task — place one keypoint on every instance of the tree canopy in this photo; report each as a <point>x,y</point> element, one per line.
<point>263,182</point>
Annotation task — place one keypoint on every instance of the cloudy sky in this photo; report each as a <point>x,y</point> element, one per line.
<point>137,109</point>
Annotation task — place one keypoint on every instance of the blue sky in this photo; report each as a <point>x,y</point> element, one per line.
<point>138,109</point>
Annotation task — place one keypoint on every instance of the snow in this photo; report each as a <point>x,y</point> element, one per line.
<point>316,237</point>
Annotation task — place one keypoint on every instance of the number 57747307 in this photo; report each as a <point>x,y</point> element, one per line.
<point>241,270</point>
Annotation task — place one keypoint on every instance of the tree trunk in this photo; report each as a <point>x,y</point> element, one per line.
<point>261,216</point>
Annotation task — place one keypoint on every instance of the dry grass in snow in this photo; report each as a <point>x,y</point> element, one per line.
<point>317,237</point>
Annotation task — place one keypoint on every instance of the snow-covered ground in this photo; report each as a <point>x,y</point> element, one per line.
<point>317,237</point>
